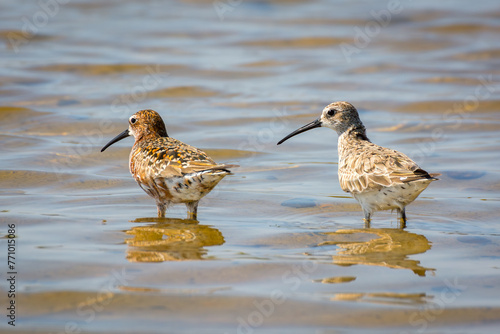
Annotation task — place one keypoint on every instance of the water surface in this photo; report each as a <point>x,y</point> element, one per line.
<point>278,247</point>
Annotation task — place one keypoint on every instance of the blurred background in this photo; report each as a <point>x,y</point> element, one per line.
<point>278,246</point>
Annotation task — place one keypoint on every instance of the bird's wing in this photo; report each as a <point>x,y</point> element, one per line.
<point>378,167</point>
<point>168,157</point>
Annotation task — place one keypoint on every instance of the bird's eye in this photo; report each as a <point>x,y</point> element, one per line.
<point>331,112</point>
<point>132,120</point>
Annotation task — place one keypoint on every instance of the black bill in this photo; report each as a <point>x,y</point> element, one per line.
<point>312,125</point>
<point>122,135</point>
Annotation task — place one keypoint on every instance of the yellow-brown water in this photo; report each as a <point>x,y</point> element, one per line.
<point>278,246</point>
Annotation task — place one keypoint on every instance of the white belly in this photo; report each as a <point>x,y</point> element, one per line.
<point>183,189</point>
<point>193,187</point>
<point>396,196</point>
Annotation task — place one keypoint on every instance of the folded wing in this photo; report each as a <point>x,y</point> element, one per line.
<point>377,168</point>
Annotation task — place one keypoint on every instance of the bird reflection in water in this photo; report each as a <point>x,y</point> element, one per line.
<point>385,247</point>
<point>170,239</point>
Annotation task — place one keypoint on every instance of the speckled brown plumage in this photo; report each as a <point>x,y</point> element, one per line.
<point>379,178</point>
<point>167,169</point>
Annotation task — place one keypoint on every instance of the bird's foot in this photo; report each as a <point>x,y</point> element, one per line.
<point>192,215</point>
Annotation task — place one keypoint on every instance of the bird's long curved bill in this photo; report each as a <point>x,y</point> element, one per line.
<point>122,135</point>
<point>314,124</point>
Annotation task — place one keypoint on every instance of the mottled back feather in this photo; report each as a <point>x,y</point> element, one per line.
<point>365,166</point>
<point>168,157</point>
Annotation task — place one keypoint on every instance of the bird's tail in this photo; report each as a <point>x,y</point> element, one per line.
<point>224,168</point>
<point>419,175</point>
<point>434,176</point>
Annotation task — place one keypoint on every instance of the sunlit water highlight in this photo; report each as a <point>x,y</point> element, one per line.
<point>278,246</point>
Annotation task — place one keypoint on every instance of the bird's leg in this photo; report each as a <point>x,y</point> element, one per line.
<point>162,207</point>
<point>192,210</point>
<point>402,217</point>
<point>367,219</point>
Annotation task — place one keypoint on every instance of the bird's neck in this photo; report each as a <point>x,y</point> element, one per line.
<point>352,138</point>
<point>148,136</point>
<point>356,132</point>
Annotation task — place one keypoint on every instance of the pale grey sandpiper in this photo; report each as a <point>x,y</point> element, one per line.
<point>377,177</point>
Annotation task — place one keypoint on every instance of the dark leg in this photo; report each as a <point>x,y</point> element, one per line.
<point>162,207</point>
<point>192,210</point>
<point>402,218</point>
<point>367,218</point>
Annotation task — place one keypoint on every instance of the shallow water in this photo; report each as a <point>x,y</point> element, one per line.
<point>278,246</point>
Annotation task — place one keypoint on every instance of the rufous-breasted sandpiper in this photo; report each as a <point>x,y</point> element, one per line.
<point>167,169</point>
